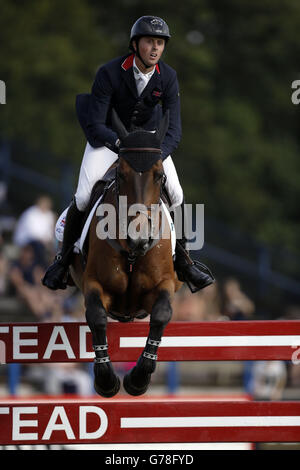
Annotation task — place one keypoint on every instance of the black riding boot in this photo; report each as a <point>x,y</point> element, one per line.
<point>56,274</point>
<point>195,274</point>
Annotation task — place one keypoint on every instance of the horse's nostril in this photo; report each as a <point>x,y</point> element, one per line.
<point>130,242</point>
<point>138,244</point>
<point>145,246</point>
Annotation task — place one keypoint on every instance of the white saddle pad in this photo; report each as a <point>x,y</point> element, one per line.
<point>60,226</point>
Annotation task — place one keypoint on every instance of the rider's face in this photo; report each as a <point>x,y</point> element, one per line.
<point>151,49</point>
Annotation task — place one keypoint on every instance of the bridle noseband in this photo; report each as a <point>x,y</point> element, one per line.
<point>139,150</point>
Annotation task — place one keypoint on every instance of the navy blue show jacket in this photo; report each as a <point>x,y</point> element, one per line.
<point>115,87</point>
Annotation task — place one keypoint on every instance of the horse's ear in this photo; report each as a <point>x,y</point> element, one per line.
<point>118,126</point>
<point>163,127</point>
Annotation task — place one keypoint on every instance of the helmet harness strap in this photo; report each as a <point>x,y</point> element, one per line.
<point>137,53</point>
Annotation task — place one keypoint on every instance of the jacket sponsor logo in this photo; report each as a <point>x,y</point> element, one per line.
<point>156,93</point>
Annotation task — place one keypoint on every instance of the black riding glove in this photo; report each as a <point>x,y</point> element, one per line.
<point>144,109</point>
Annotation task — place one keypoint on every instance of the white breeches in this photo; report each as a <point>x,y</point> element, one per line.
<point>95,163</point>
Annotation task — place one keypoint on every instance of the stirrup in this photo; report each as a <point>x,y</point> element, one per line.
<point>60,280</point>
<point>203,268</point>
<point>61,276</point>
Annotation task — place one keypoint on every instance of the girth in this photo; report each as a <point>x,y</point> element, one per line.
<point>126,318</point>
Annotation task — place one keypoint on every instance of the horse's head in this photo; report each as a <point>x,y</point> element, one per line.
<point>140,176</point>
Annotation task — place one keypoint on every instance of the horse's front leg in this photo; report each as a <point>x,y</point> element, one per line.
<point>107,383</point>
<point>138,379</point>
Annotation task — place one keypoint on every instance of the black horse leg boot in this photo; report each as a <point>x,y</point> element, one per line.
<point>195,274</point>
<point>55,276</point>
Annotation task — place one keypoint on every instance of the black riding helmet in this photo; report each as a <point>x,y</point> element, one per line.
<point>148,26</point>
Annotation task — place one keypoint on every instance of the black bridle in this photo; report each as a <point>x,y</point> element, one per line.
<point>131,255</point>
<point>117,178</point>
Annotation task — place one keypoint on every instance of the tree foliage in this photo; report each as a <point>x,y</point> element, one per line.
<point>235,61</point>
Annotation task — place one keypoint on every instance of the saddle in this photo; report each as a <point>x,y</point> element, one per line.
<point>99,190</point>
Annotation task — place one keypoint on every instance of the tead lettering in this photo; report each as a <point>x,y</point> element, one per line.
<point>64,346</point>
<point>58,412</point>
<point>22,417</point>
<point>18,342</point>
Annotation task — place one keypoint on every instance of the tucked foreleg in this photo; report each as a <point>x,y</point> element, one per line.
<point>138,379</point>
<point>107,383</point>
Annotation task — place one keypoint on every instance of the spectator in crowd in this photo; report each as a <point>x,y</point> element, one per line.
<point>236,304</point>
<point>33,237</point>
<point>269,379</point>
<point>67,378</point>
<point>204,305</point>
<point>3,271</point>
<point>294,367</point>
<point>7,220</point>
<point>25,275</point>
<point>209,303</point>
<point>37,223</point>
<point>73,307</point>
<point>185,306</point>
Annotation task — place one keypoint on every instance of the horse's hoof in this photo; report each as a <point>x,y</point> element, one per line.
<point>132,389</point>
<point>108,393</point>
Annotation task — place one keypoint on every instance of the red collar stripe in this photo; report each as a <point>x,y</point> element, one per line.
<point>128,63</point>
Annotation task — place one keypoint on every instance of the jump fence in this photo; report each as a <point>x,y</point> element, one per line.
<point>149,420</point>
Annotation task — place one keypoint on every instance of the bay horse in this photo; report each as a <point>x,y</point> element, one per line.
<point>129,277</point>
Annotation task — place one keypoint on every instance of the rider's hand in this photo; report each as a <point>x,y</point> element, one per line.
<point>116,146</point>
<point>144,108</point>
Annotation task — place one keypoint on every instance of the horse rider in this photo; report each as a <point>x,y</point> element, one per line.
<point>140,87</point>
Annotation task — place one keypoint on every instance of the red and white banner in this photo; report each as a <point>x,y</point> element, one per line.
<point>182,341</point>
<point>145,420</point>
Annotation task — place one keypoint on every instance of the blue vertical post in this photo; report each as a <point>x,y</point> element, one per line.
<point>90,370</point>
<point>248,377</point>
<point>14,373</point>
<point>172,377</point>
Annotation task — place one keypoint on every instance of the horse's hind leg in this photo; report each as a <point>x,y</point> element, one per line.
<point>107,383</point>
<point>138,379</point>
